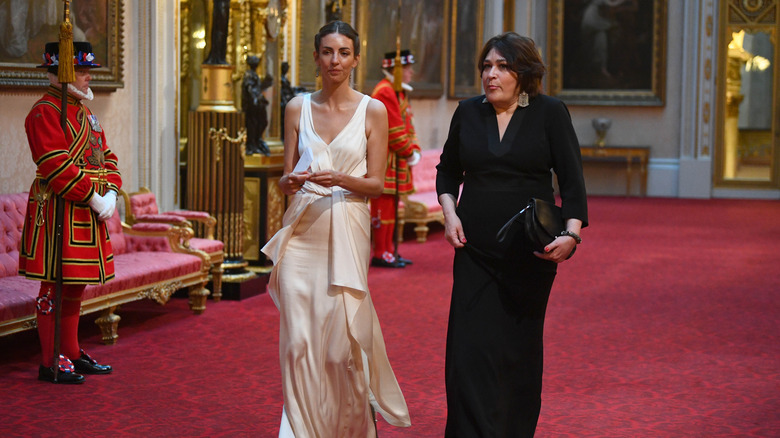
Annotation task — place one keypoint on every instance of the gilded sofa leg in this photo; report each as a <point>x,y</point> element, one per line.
<point>400,236</point>
<point>216,282</point>
<point>198,294</point>
<point>422,233</point>
<point>108,323</point>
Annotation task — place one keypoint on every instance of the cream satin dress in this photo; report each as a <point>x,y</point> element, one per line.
<point>333,359</point>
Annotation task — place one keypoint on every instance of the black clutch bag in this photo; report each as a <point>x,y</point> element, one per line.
<point>541,220</point>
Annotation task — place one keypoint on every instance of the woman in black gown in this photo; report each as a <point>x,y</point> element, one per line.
<point>502,147</point>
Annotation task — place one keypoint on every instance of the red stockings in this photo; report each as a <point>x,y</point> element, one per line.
<point>71,307</point>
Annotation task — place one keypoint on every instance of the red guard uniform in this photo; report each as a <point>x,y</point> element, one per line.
<point>75,166</point>
<point>402,143</point>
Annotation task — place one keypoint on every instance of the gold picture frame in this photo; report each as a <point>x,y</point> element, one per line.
<point>423,31</point>
<point>312,15</point>
<point>98,21</point>
<point>467,36</point>
<point>607,54</point>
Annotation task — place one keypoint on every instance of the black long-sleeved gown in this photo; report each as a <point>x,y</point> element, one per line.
<point>500,291</point>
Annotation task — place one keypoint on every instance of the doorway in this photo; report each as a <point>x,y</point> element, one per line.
<point>748,144</point>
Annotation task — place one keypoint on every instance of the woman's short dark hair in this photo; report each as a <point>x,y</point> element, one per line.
<point>339,27</point>
<point>521,55</point>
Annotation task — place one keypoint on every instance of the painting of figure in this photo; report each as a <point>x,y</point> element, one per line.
<point>422,31</point>
<point>608,44</point>
<point>26,26</point>
<point>607,51</point>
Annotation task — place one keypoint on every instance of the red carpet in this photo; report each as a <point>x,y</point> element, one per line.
<point>664,324</point>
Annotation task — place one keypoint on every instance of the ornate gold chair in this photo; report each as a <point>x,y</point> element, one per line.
<point>142,207</point>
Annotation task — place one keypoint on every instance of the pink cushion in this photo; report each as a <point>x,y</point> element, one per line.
<point>17,297</point>
<point>160,217</point>
<point>148,244</point>
<point>137,243</point>
<point>143,203</point>
<point>424,173</point>
<point>116,234</point>
<point>145,268</point>
<point>209,246</point>
<point>153,227</point>
<point>13,208</point>
<point>190,214</point>
<point>428,198</point>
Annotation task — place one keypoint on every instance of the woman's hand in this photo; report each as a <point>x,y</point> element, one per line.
<point>326,178</point>
<point>453,228</point>
<point>558,250</point>
<point>453,231</point>
<point>292,182</point>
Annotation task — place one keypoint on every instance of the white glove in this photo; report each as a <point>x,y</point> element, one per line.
<point>97,203</point>
<point>414,159</point>
<point>108,211</point>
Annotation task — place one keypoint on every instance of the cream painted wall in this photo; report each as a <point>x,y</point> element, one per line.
<point>17,167</point>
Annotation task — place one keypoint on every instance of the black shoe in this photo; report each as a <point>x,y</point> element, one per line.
<point>68,377</point>
<point>382,263</point>
<point>86,365</point>
<point>404,261</point>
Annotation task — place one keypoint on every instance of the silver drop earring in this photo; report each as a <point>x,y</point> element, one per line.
<point>522,100</point>
<point>317,72</point>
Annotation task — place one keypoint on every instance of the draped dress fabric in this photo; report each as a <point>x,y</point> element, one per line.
<point>494,364</point>
<point>332,354</point>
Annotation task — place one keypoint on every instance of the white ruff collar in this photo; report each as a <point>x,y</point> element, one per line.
<point>391,78</point>
<point>72,89</point>
<point>79,94</point>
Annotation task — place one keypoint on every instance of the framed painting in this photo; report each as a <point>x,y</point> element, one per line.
<point>29,25</point>
<point>312,15</point>
<point>467,18</point>
<point>423,31</point>
<point>607,52</point>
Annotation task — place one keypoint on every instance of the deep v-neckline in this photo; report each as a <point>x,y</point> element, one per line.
<point>344,128</point>
<point>497,144</point>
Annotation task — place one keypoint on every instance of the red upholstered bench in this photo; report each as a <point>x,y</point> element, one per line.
<point>150,262</point>
<point>422,207</point>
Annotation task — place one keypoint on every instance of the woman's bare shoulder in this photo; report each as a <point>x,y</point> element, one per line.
<point>376,108</point>
<point>296,102</point>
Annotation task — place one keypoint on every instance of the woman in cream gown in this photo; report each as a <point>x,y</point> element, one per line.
<point>335,369</point>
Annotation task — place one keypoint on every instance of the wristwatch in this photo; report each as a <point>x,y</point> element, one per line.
<point>573,235</point>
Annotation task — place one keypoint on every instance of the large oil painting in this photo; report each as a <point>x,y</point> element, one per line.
<point>423,31</point>
<point>466,42</point>
<point>607,52</point>
<point>26,26</point>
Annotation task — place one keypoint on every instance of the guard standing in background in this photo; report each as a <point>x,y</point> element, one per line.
<point>79,170</point>
<point>403,152</point>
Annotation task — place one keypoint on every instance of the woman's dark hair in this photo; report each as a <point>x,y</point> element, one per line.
<point>522,57</point>
<point>339,27</point>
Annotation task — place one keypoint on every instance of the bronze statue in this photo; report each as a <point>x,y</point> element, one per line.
<point>255,107</point>
<point>220,19</point>
<point>333,11</point>
<point>287,91</point>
